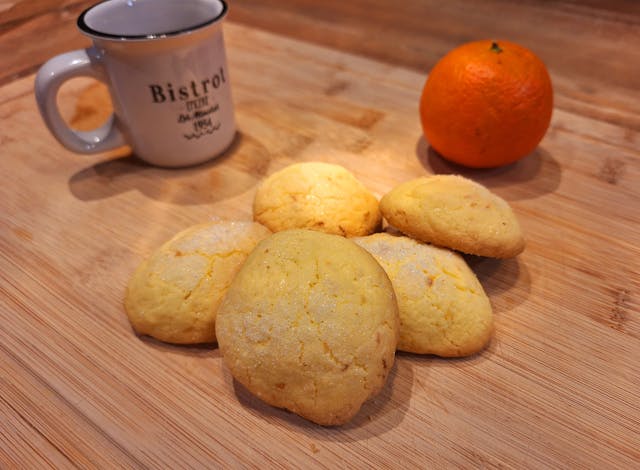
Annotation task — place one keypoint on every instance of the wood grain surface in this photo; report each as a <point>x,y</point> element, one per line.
<point>339,82</point>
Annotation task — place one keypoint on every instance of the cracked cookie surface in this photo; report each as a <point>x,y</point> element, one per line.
<point>310,324</point>
<point>316,196</point>
<point>174,295</point>
<point>442,307</point>
<point>454,212</point>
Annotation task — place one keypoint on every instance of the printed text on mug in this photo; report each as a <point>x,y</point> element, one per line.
<point>195,95</point>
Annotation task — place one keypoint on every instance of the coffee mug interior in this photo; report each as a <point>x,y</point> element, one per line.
<point>136,19</point>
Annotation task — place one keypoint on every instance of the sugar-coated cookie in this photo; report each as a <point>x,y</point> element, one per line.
<point>174,295</point>
<point>310,324</point>
<point>316,196</point>
<point>442,307</point>
<point>454,212</point>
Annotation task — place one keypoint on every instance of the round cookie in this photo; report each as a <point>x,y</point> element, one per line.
<point>175,293</point>
<point>454,212</point>
<point>310,324</point>
<point>442,307</point>
<point>316,196</point>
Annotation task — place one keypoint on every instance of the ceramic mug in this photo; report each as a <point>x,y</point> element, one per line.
<point>165,65</point>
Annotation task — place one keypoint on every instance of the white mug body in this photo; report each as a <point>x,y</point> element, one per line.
<point>167,76</point>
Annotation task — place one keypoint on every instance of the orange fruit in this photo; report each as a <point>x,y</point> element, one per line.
<point>486,104</point>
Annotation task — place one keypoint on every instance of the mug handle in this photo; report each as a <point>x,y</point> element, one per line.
<point>50,77</point>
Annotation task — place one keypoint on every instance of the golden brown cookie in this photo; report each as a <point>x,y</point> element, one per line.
<point>316,196</point>
<point>310,324</point>
<point>442,307</point>
<point>174,294</point>
<point>454,212</point>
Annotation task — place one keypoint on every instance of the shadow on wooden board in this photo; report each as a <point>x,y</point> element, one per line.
<point>533,176</point>
<point>245,163</point>
<point>507,282</point>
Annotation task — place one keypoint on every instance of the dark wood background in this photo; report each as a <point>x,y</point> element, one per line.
<point>592,47</point>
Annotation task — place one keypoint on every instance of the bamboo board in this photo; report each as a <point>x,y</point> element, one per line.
<point>557,387</point>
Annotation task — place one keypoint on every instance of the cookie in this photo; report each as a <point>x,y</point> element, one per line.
<point>442,307</point>
<point>174,295</point>
<point>454,212</point>
<point>310,324</point>
<point>316,196</point>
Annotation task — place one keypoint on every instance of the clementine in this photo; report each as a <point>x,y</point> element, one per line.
<point>486,104</point>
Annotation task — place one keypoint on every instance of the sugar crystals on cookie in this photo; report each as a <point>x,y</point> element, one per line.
<point>454,212</point>
<point>174,295</point>
<point>316,196</point>
<point>442,307</point>
<point>310,324</point>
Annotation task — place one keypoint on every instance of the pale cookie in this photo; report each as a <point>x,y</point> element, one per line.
<point>316,196</point>
<point>310,324</point>
<point>454,212</point>
<point>442,307</point>
<point>174,295</point>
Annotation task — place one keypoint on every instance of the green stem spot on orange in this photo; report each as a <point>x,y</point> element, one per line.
<point>495,48</point>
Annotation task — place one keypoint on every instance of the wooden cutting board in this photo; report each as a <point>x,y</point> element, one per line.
<point>558,386</point>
